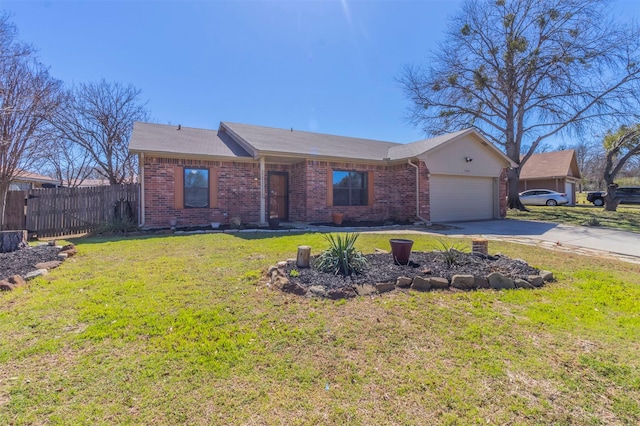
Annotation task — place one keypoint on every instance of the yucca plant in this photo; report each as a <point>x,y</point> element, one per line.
<point>341,257</point>
<point>449,253</point>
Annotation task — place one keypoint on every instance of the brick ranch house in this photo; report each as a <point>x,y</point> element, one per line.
<point>198,176</point>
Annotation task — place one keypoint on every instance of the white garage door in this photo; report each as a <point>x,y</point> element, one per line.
<point>460,198</point>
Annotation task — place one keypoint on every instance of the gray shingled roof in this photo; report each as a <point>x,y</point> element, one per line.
<point>413,149</point>
<point>245,140</point>
<point>160,138</point>
<point>268,139</point>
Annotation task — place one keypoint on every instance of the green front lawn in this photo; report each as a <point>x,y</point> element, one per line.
<point>179,329</point>
<point>627,216</point>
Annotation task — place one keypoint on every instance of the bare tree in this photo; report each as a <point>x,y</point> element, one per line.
<point>620,146</point>
<point>67,162</point>
<point>521,71</point>
<point>28,97</point>
<point>98,118</point>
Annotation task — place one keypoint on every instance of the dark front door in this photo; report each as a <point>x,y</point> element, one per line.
<point>278,195</point>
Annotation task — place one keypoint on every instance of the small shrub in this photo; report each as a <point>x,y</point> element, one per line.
<point>450,252</point>
<point>341,257</point>
<point>294,273</point>
<point>592,221</point>
<point>116,227</point>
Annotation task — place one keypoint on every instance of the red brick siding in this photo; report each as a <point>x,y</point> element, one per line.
<point>239,192</point>
<point>394,192</point>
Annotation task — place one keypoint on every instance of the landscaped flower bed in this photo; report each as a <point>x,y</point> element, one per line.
<point>426,271</point>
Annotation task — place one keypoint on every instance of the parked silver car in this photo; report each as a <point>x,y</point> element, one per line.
<point>543,197</point>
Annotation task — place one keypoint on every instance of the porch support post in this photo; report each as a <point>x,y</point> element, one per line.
<point>263,220</point>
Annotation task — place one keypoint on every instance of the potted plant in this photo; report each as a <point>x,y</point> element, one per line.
<point>336,218</point>
<point>274,222</point>
<point>401,250</point>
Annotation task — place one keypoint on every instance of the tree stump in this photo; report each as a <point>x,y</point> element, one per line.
<point>12,240</point>
<point>304,253</point>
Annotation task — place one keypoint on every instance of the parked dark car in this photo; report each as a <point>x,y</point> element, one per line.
<point>627,194</point>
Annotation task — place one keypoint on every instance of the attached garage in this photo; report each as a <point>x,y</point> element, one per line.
<point>462,198</point>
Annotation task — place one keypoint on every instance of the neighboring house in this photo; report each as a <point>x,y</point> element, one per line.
<point>94,182</point>
<point>25,181</point>
<point>557,171</point>
<point>199,176</point>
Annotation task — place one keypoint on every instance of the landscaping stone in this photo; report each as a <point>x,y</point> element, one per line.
<point>280,282</point>
<point>384,287</point>
<point>382,251</point>
<point>317,291</point>
<point>341,293</point>
<point>293,287</point>
<point>69,250</point>
<point>497,281</point>
<point>481,282</point>
<point>535,280</point>
<point>439,283</point>
<point>48,265</point>
<point>520,283</point>
<point>421,284</point>
<point>547,276</point>
<point>365,289</point>
<point>62,256</point>
<point>6,285</point>
<point>37,273</point>
<point>16,280</point>
<point>463,282</point>
<point>403,282</point>
<point>282,264</point>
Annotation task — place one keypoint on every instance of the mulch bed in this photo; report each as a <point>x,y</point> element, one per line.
<point>23,261</point>
<point>425,264</point>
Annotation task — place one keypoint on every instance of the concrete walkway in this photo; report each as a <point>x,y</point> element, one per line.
<point>603,242</point>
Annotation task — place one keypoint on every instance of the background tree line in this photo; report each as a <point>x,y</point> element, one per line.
<point>525,71</point>
<point>70,133</point>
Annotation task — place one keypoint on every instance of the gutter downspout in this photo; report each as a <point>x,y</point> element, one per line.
<point>141,218</point>
<point>262,193</point>
<point>418,193</point>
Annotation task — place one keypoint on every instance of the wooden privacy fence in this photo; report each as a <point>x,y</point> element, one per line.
<point>66,211</point>
<point>15,210</point>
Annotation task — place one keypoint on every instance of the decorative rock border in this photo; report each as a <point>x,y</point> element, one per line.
<point>42,268</point>
<point>277,278</point>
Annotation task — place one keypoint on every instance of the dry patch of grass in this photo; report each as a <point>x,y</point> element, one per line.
<point>174,330</point>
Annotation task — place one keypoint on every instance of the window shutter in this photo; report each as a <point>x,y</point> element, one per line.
<point>370,188</point>
<point>213,188</point>
<point>329,187</point>
<point>178,190</point>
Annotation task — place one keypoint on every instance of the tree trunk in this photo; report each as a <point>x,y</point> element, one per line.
<point>304,254</point>
<point>513,200</point>
<point>3,204</point>
<point>611,200</point>
<point>12,240</point>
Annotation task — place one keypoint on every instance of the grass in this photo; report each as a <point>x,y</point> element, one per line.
<point>627,216</point>
<point>170,330</point>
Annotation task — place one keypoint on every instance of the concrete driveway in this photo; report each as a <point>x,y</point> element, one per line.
<point>600,239</point>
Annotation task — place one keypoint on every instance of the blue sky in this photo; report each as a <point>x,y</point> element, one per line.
<point>322,66</point>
